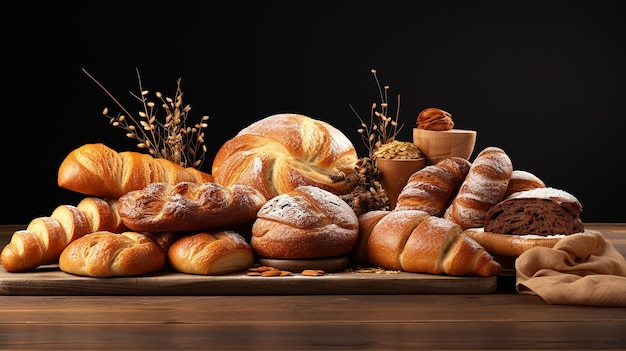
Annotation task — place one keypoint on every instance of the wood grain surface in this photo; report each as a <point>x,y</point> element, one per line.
<point>503,320</point>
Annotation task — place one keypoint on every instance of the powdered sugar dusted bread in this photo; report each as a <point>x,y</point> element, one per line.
<point>541,211</point>
<point>433,187</point>
<point>484,186</point>
<point>523,180</point>
<point>307,222</point>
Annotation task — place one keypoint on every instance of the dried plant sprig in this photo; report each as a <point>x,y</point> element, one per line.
<point>170,138</point>
<point>381,128</point>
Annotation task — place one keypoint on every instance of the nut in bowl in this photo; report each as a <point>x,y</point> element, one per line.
<point>437,145</point>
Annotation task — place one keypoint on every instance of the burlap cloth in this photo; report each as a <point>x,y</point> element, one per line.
<point>581,269</point>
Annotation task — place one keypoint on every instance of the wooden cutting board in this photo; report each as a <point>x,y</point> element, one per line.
<point>50,280</point>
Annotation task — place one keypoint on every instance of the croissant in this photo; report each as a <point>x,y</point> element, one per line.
<point>281,152</point>
<point>414,241</point>
<point>97,170</point>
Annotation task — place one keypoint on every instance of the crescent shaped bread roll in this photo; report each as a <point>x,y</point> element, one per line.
<point>521,181</point>
<point>107,254</point>
<point>433,187</point>
<point>484,186</point>
<point>281,152</point>
<point>414,241</point>
<point>97,170</point>
<point>211,253</point>
<point>307,222</point>
<point>188,206</point>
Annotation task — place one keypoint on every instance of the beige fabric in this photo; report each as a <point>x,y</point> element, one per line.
<point>581,269</point>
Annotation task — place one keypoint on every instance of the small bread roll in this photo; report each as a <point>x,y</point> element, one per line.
<point>214,253</point>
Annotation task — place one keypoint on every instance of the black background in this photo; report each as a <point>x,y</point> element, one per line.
<point>542,80</point>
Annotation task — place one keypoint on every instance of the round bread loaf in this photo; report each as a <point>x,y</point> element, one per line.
<point>307,222</point>
<point>107,254</point>
<point>212,253</point>
<point>281,152</point>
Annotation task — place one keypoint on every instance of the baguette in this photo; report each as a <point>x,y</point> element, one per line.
<point>97,170</point>
<point>188,206</point>
<point>484,186</point>
<point>107,254</point>
<point>211,253</point>
<point>433,187</point>
<point>414,241</point>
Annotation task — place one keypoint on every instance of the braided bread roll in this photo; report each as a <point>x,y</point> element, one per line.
<point>433,187</point>
<point>281,152</point>
<point>414,241</point>
<point>484,186</point>
<point>45,238</point>
<point>186,206</point>
<point>211,253</point>
<point>107,254</point>
<point>97,170</point>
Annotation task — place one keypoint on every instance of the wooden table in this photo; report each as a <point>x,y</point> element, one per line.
<point>500,321</point>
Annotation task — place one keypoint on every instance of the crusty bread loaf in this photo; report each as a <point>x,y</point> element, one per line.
<point>483,187</point>
<point>307,222</point>
<point>281,152</point>
<point>107,254</point>
<point>415,241</point>
<point>97,170</point>
<point>521,181</point>
<point>188,206</point>
<point>433,187</point>
<point>211,253</point>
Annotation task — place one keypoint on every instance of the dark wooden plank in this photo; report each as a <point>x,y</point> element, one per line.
<point>447,335</point>
<point>49,280</point>
<point>423,308</point>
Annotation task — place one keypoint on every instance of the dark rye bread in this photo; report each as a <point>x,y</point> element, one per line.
<point>541,211</point>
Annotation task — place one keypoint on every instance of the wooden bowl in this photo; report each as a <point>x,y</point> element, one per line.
<point>396,173</point>
<point>437,145</point>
